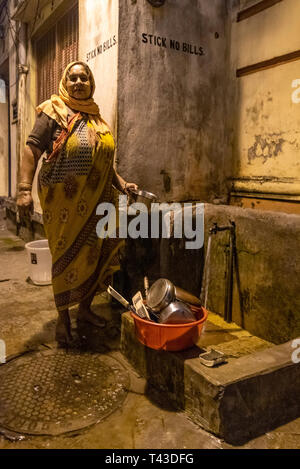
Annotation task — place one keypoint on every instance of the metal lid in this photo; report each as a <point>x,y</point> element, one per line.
<point>161,293</point>
<point>147,195</point>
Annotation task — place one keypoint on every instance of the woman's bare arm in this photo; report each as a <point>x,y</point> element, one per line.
<point>29,163</point>
<point>121,184</point>
<point>118,181</point>
<point>28,168</point>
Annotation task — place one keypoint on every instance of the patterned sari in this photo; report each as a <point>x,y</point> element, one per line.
<point>71,185</point>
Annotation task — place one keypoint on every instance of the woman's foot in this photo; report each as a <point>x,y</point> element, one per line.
<point>85,314</point>
<point>63,333</point>
<point>63,328</point>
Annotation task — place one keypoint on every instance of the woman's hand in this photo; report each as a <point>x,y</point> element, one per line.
<point>130,186</point>
<point>28,167</point>
<point>122,185</point>
<point>25,203</point>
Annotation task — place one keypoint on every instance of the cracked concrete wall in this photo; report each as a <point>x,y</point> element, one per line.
<point>266,144</point>
<point>172,98</point>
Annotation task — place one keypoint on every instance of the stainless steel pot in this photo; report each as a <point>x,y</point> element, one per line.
<point>160,294</point>
<point>163,292</point>
<point>144,197</point>
<point>176,313</point>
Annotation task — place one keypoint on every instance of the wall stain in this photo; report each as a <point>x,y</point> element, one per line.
<point>166,180</point>
<point>245,299</point>
<point>266,147</point>
<point>253,112</point>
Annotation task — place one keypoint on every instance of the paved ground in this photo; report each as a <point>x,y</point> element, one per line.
<point>27,322</point>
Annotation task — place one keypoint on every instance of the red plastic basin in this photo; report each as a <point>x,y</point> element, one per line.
<point>171,337</point>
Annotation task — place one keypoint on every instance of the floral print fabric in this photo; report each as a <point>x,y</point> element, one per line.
<point>71,186</point>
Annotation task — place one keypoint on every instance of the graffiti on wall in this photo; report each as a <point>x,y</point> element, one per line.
<point>101,48</point>
<point>164,42</point>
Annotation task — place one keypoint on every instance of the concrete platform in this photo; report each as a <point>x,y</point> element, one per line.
<point>254,392</point>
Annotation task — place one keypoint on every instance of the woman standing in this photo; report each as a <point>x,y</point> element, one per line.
<point>76,175</point>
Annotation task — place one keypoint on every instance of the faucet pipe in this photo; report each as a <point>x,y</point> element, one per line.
<point>229,266</point>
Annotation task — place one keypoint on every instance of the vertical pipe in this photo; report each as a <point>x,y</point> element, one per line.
<point>226,284</point>
<point>229,278</point>
<point>206,273</point>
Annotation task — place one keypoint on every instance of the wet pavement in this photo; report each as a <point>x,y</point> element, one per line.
<point>144,420</point>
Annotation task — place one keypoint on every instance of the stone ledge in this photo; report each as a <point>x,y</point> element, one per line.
<point>237,401</point>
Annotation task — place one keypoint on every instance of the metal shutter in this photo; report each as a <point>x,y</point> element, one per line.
<point>67,34</point>
<point>57,48</point>
<point>46,64</point>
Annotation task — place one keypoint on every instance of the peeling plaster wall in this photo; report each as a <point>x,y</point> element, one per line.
<point>267,118</point>
<point>172,135</point>
<point>269,138</point>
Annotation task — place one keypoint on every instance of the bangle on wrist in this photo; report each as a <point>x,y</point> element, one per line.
<point>23,191</point>
<point>24,186</point>
<point>125,185</point>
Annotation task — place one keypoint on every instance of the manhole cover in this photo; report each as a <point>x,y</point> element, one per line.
<point>55,392</point>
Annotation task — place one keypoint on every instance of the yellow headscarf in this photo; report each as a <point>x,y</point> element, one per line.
<point>55,107</point>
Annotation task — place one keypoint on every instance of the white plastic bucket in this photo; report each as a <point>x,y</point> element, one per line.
<point>40,262</point>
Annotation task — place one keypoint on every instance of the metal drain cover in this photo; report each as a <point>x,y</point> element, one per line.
<point>54,392</point>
